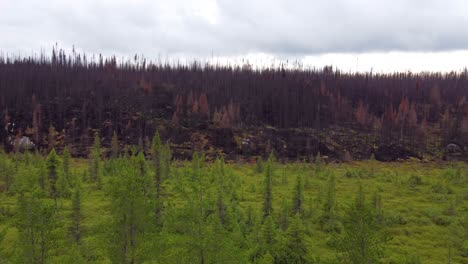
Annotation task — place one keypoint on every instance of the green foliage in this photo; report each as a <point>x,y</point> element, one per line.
<point>7,170</point>
<point>161,158</point>
<point>259,166</point>
<point>76,216</point>
<point>221,189</point>
<point>294,249</point>
<point>409,259</point>
<point>36,221</point>
<point>415,181</point>
<point>284,214</point>
<point>95,167</point>
<point>66,159</point>
<point>377,203</point>
<point>318,162</point>
<point>213,215</point>
<point>2,238</point>
<point>364,239</point>
<point>115,146</point>
<point>267,249</point>
<point>131,214</point>
<point>328,219</point>
<point>268,197</point>
<point>52,168</point>
<point>298,197</point>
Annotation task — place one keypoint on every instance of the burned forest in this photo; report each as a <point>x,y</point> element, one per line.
<point>59,99</point>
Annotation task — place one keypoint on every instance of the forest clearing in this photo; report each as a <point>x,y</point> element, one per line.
<point>129,208</point>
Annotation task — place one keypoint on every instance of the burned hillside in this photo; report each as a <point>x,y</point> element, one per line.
<point>62,99</point>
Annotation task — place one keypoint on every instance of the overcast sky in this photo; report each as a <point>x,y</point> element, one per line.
<point>352,35</point>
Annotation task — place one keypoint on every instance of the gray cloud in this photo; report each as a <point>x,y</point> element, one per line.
<point>228,27</point>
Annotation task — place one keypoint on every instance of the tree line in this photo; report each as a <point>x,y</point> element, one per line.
<point>76,94</point>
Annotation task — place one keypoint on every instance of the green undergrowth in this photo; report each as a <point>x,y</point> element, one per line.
<point>421,206</point>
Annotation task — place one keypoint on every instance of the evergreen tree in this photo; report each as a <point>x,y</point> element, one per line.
<point>221,245</point>
<point>143,174</point>
<point>64,181</point>
<point>52,169</point>
<point>42,173</point>
<point>298,198</point>
<point>377,202</point>
<point>76,216</point>
<point>268,199</point>
<point>220,204</point>
<point>318,163</point>
<point>268,232</point>
<point>364,238</point>
<point>36,220</point>
<point>268,242</point>
<point>166,161</point>
<point>66,159</point>
<point>328,220</point>
<point>7,170</point>
<point>259,165</point>
<point>284,214</point>
<point>156,154</point>
<point>198,208</point>
<point>250,218</point>
<point>114,146</point>
<point>294,249</point>
<point>95,162</point>
<point>131,212</point>
<point>266,259</point>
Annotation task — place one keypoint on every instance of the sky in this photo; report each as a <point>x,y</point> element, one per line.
<point>357,35</point>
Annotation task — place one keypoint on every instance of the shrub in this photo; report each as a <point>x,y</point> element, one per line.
<point>351,174</point>
<point>441,220</point>
<point>415,180</point>
<point>442,188</point>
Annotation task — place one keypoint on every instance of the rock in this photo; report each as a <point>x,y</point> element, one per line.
<point>393,153</point>
<point>453,148</point>
<point>23,144</point>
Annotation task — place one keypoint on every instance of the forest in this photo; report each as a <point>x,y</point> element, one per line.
<point>129,208</point>
<point>61,99</point>
<point>113,160</point>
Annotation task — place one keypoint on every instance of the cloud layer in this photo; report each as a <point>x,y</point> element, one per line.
<point>227,27</point>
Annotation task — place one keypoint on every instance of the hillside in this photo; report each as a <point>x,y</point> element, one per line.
<point>61,99</point>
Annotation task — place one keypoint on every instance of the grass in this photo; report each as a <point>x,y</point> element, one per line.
<point>424,207</point>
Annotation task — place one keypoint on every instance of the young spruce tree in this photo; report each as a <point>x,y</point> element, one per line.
<point>131,213</point>
<point>95,162</point>
<point>114,146</point>
<point>52,164</point>
<point>364,239</point>
<point>76,216</point>
<point>298,198</point>
<point>294,249</point>
<point>268,198</point>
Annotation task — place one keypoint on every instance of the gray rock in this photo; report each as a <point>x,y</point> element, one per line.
<point>23,144</point>
<point>453,148</point>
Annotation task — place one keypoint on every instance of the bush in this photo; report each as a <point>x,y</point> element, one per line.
<point>395,219</point>
<point>351,174</point>
<point>442,188</point>
<point>454,173</point>
<point>441,220</point>
<point>415,180</point>
<point>437,217</point>
<point>258,168</point>
<point>333,226</point>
